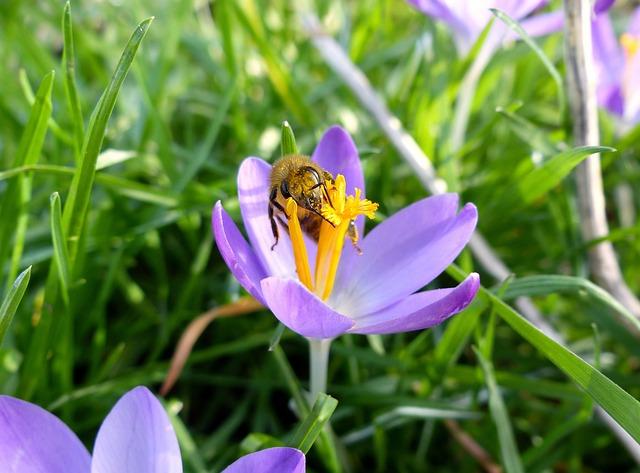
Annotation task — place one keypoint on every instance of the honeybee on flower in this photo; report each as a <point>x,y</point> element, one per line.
<point>322,288</point>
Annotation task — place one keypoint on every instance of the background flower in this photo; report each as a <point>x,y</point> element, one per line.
<point>618,67</point>
<point>136,436</point>
<point>467,18</point>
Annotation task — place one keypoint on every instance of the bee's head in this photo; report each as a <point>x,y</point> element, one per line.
<point>305,187</point>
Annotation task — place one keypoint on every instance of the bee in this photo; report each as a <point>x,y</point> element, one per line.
<point>298,177</point>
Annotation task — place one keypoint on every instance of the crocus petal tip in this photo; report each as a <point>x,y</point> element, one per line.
<point>137,435</point>
<point>276,459</point>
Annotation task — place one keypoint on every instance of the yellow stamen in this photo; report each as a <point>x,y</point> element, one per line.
<point>630,43</point>
<point>297,242</point>
<point>338,213</point>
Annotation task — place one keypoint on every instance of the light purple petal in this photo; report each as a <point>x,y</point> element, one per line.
<point>136,436</point>
<point>466,18</point>
<point>404,253</point>
<point>253,195</point>
<point>519,9</point>
<point>421,310</point>
<point>337,153</point>
<point>302,311</point>
<point>634,25</point>
<point>430,211</point>
<point>236,252</point>
<point>33,440</point>
<point>446,12</point>
<point>544,23</point>
<point>271,460</point>
<point>632,90</point>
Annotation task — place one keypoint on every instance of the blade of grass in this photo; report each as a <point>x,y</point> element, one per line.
<point>538,138</point>
<point>132,189</point>
<point>209,140</point>
<point>22,225</point>
<point>12,300</point>
<point>552,283</point>
<point>69,77</point>
<point>455,337</point>
<point>542,179</point>
<point>250,18</point>
<point>28,153</point>
<point>73,218</point>
<point>325,443</point>
<point>555,75</point>
<point>508,447</point>
<point>313,424</point>
<point>403,415</point>
<point>187,443</point>
<point>60,254</point>
<point>76,207</point>
<point>31,98</point>
<point>618,403</point>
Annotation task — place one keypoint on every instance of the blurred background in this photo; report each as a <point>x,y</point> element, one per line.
<point>211,84</point>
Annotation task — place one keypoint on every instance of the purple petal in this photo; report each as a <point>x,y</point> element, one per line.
<point>33,440</point>
<point>302,311</point>
<point>271,460</point>
<point>421,310</point>
<point>236,252</point>
<point>253,195</point>
<point>607,54</point>
<point>602,5</point>
<point>610,97</point>
<point>544,23</point>
<point>404,253</point>
<point>136,436</point>
<point>337,153</point>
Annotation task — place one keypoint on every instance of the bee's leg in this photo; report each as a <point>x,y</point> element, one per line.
<point>326,193</point>
<point>310,208</point>
<point>352,233</point>
<point>274,225</point>
<point>327,178</point>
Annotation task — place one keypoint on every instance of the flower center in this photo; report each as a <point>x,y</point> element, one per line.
<point>630,43</point>
<point>338,215</point>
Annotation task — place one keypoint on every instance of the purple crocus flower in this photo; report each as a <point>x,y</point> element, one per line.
<point>369,293</point>
<point>136,436</point>
<point>618,67</point>
<point>467,18</point>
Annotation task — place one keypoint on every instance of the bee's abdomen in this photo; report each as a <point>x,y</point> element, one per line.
<point>310,224</point>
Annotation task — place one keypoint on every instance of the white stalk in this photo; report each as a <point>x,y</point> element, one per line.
<point>318,365</point>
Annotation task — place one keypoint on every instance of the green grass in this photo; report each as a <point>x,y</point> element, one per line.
<point>121,255</point>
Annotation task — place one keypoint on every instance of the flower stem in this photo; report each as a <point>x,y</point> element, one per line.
<point>318,364</point>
